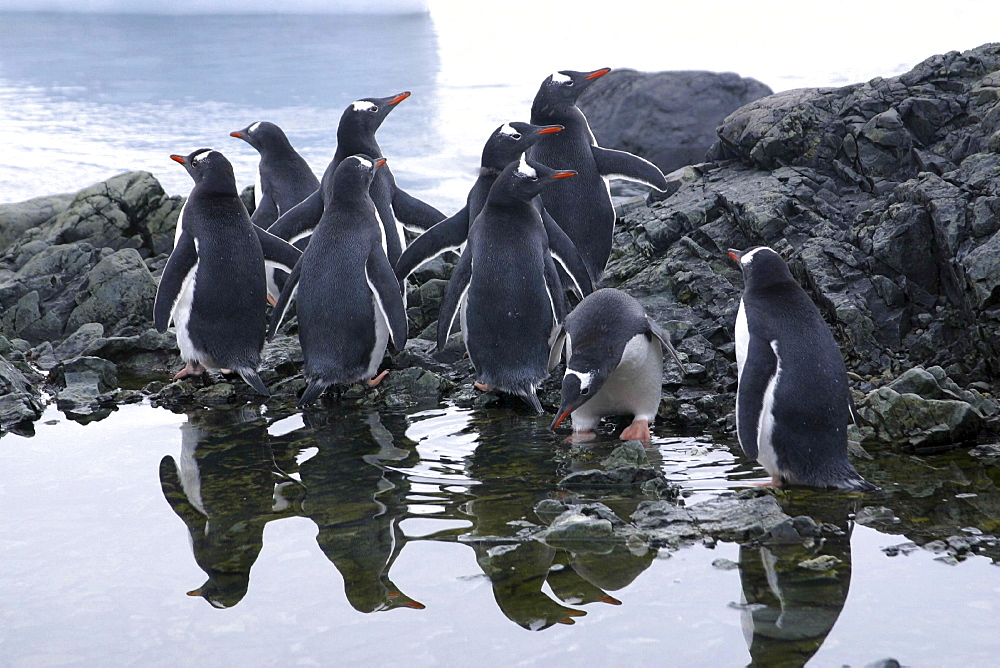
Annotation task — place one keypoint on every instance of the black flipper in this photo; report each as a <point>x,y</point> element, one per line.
<point>758,369</point>
<point>564,251</point>
<point>297,224</point>
<point>458,285</point>
<point>625,165</point>
<point>447,235</point>
<point>287,295</point>
<point>277,252</point>
<point>251,378</point>
<point>182,260</point>
<point>388,299</point>
<point>557,342</point>
<point>413,213</point>
<point>664,338</point>
<point>265,213</point>
<point>554,286</point>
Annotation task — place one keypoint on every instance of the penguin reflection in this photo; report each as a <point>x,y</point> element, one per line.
<point>356,502</point>
<point>519,569</point>
<point>789,608</point>
<point>223,489</point>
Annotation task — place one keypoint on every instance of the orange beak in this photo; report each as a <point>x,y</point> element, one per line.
<point>558,420</point>
<point>734,256</point>
<point>550,130</point>
<point>237,134</point>
<point>564,174</point>
<point>379,162</point>
<point>399,98</point>
<point>598,73</point>
<point>178,158</point>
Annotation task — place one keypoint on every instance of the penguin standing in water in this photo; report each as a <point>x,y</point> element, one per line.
<point>283,177</point>
<point>792,399</point>
<point>507,144</point>
<point>583,208</point>
<point>614,364</point>
<point>213,285</point>
<point>505,286</point>
<point>395,207</point>
<point>348,301</point>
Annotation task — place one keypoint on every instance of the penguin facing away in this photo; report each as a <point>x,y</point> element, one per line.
<point>793,402</point>
<point>395,207</point>
<point>583,208</point>
<point>505,286</point>
<point>348,301</point>
<point>283,177</point>
<point>614,364</point>
<point>507,144</point>
<point>213,285</point>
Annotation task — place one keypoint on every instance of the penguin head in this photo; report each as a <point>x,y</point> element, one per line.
<point>522,179</point>
<point>578,386</point>
<point>564,87</point>
<point>366,115</point>
<point>211,171</point>
<point>762,267</point>
<point>509,141</point>
<point>261,135</point>
<point>352,178</point>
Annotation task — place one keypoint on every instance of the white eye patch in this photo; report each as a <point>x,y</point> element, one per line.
<point>253,128</point>
<point>363,105</point>
<point>558,77</point>
<point>524,169</point>
<point>202,155</point>
<point>748,258</point>
<point>505,129</point>
<point>364,162</point>
<point>585,378</point>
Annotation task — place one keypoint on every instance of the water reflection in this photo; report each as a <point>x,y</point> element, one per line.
<point>793,593</point>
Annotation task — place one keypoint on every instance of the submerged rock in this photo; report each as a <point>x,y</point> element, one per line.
<point>20,401</point>
<point>87,385</point>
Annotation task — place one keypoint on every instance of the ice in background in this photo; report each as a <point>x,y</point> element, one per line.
<point>84,96</point>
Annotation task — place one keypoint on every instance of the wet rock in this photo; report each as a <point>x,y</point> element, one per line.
<point>629,454</point>
<point>735,517</point>
<point>85,340</point>
<point>792,531</point>
<point>118,293</point>
<point>18,217</point>
<point>20,400</point>
<point>875,516</point>
<point>413,386</point>
<point>583,528</point>
<point>87,385</point>
<point>826,562</point>
<point>725,564</point>
<point>909,420</point>
<point>669,118</point>
<point>624,476</point>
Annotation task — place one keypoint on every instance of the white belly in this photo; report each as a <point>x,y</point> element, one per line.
<point>633,388</point>
<point>742,340</point>
<point>258,191</point>
<point>765,428</point>
<point>181,316</point>
<point>180,225</point>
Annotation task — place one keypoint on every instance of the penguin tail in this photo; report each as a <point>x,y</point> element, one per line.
<point>312,393</point>
<point>253,380</point>
<point>858,484</point>
<point>532,398</point>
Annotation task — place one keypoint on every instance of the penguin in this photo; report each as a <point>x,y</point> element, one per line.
<point>614,364</point>
<point>348,302</point>
<point>583,208</point>
<point>506,287</point>
<point>283,177</point>
<point>394,206</point>
<point>213,285</point>
<point>792,398</point>
<point>505,145</point>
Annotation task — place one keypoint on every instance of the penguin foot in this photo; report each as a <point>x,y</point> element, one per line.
<point>482,386</point>
<point>637,431</point>
<point>272,301</point>
<point>580,436</point>
<point>190,369</point>
<point>377,379</point>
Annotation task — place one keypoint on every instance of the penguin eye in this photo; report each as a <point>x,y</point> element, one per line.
<point>373,108</point>
<point>569,83</point>
<point>585,390</point>
<point>516,136</point>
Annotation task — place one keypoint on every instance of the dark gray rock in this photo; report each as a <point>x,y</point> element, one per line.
<point>738,518</point>
<point>669,118</point>
<point>118,293</point>
<point>20,400</point>
<point>18,217</point>
<point>84,341</point>
<point>86,384</point>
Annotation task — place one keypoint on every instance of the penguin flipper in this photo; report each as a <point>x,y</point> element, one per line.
<point>182,261</point>
<point>277,252</point>
<point>265,213</point>
<point>664,339</point>
<point>449,234</point>
<point>458,286</point>
<point>565,252</point>
<point>414,214</point>
<point>628,166</point>
<point>554,287</point>
<point>385,291</point>
<point>252,378</point>
<point>759,368</point>
<point>287,295</point>
<point>556,343</point>
<point>298,222</point>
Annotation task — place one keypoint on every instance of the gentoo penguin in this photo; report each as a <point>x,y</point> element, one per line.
<point>506,287</point>
<point>792,399</point>
<point>283,177</point>
<point>395,207</point>
<point>213,285</point>
<point>507,144</point>
<point>614,364</point>
<point>348,301</point>
<point>583,208</point>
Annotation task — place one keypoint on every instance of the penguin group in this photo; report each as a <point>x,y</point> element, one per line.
<point>533,238</point>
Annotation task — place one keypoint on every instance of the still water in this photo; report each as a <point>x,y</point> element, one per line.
<point>354,537</point>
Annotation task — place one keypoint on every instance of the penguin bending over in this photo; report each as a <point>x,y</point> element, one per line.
<point>507,144</point>
<point>583,209</point>
<point>213,285</point>
<point>283,177</point>
<point>348,301</point>
<point>614,364</point>
<point>395,207</point>
<point>792,399</point>
<point>506,287</point>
